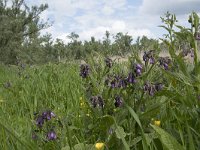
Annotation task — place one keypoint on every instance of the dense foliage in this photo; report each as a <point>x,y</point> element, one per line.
<point>21,40</point>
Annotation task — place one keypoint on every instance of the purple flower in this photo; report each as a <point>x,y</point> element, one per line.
<point>145,57</point>
<point>148,56</point>
<point>118,101</point>
<point>100,102</point>
<point>146,86</point>
<point>152,60</point>
<point>152,88</point>
<point>97,101</point>
<point>123,83</point>
<point>113,84</point>
<point>158,86</point>
<point>138,66</point>
<point>164,62</point>
<point>51,135</point>
<point>138,72</point>
<point>108,62</point>
<point>165,66</point>
<point>40,121</point>
<point>84,70</point>
<point>131,78</point>
<point>48,115</point>
<point>138,69</point>
<point>94,101</point>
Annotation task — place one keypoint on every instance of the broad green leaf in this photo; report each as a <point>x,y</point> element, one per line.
<point>121,135</point>
<point>135,116</point>
<point>167,140</point>
<point>120,132</point>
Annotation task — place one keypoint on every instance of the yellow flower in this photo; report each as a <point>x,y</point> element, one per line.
<point>82,104</point>
<point>157,123</point>
<point>99,146</point>
<point>1,100</point>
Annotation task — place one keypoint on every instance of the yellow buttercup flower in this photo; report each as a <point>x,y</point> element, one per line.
<point>99,146</point>
<point>1,100</point>
<point>157,123</point>
<point>82,103</point>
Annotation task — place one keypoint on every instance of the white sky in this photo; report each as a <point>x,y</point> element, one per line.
<point>93,17</point>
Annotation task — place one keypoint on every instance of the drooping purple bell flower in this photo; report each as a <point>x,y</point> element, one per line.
<point>165,66</point>
<point>118,101</point>
<point>152,60</point>
<point>131,78</point>
<point>97,101</point>
<point>123,83</point>
<point>108,62</point>
<point>94,101</point>
<point>146,86</point>
<point>145,57</point>
<point>151,89</point>
<point>100,102</point>
<point>158,86</point>
<point>138,72</point>
<point>164,62</point>
<point>48,115</point>
<point>149,57</point>
<point>51,135</point>
<point>39,121</point>
<point>84,70</point>
<point>138,69</point>
<point>138,66</point>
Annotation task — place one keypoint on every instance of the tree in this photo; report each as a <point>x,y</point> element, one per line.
<point>19,24</point>
<point>75,45</point>
<point>123,42</point>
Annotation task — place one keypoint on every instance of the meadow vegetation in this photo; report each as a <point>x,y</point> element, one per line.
<point>50,100</point>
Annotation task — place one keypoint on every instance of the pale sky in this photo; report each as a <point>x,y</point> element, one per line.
<point>93,17</point>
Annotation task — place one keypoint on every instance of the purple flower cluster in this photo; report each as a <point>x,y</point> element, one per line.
<point>118,101</point>
<point>116,81</point>
<point>40,120</point>
<point>131,78</point>
<point>149,57</point>
<point>152,88</point>
<point>108,62</point>
<point>185,53</point>
<point>51,135</point>
<point>45,116</point>
<point>138,69</point>
<point>97,101</point>
<point>164,61</point>
<point>84,70</point>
